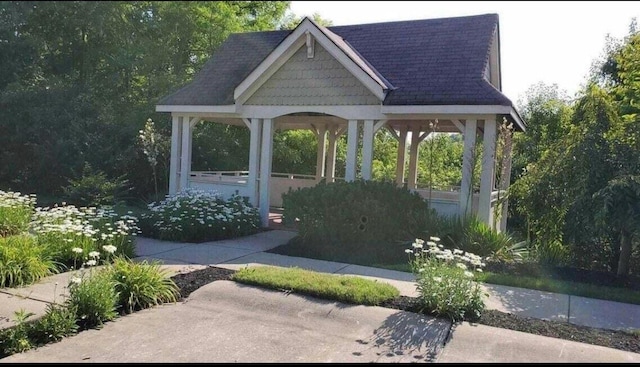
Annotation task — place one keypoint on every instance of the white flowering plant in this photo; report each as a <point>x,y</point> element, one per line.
<point>15,212</point>
<point>197,216</point>
<point>71,234</point>
<point>445,279</point>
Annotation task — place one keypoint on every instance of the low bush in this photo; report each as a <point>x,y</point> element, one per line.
<point>446,280</point>
<point>198,216</point>
<point>348,289</point>
<point>15,212</point>
<point>141,285</point>
<point>356,213</point>
<point>16,339</point>
<point>472,235</point>
<point>23,261</point>
<point>94,188</point>
<point>58,322</point>
<point>94,298</point>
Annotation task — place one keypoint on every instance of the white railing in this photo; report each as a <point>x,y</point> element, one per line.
<point>228,177</point>
<point>293,176</point>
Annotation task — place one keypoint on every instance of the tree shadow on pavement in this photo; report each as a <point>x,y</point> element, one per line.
<point>407,336</point>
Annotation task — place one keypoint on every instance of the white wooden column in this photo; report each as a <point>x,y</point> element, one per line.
<point>265,169</point>
<point>368,134</point>
<point>254,160</point>
<point>507,180</point>
<point>466,189</point>
<point>413,158</point>
<point>352,151</point>
<point>331,153</point>
<point>185,162</point>
<point>176,148</point>
<point>322,152</point>
<point>488,166</point>
<point>402,155</point>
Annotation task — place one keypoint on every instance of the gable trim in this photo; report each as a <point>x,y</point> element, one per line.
<point>290,45</point>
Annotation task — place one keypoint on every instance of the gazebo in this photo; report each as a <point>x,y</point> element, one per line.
<point>355,80</point>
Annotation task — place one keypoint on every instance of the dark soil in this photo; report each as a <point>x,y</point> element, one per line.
<point>189,282</point>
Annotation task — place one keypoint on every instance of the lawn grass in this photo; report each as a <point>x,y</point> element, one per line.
<point>617,294</point>
<point>347,289</point>
<point>562,286</point>
<point>297,248</point>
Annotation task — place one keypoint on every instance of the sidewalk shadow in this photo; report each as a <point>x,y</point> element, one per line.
<point>418,337</point>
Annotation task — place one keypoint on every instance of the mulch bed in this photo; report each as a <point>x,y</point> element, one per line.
<point>189,282</point>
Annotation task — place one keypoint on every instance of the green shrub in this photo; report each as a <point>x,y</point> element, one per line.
<point>16,339</point>
<point>23,261</point>
<point>141,285</point>
<point>15,212</point>
<point>348,289</point>
<point>197,216</point>
<point>58,322</point>
<point>446,280</point>
<point>94,299</point>
<point>472,235</point>
<point>356,213</point>
<point>94,188</point>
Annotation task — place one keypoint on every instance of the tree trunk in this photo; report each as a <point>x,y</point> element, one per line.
<point>625,253</point>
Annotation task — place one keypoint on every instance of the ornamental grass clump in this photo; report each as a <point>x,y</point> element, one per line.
<point>141,285</point>
<point>15,212</point>
<point>65,229</point>
<point>23,261</point>
<point>197,216</point>
<point>445,280</point>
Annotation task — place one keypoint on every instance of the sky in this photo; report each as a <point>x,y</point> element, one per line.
<point>551,42</point>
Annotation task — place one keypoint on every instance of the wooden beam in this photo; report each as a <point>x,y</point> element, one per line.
<point>265,169</point>
<point>352,150</point>
<point>458,124</point>
<point>176,149</point>
<point>402,155</point>
<point>368,136</point>
<point>466,189</point>
<point>487,176</point>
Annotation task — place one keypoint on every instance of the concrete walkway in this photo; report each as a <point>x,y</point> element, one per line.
<point>147,342</point>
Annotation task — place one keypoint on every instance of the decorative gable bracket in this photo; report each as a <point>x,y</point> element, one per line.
<point>310,44</point>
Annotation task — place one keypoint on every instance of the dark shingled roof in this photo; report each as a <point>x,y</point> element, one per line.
<point>429,62</point>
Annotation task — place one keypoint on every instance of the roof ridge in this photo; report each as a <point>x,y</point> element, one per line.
<point>418,20</point>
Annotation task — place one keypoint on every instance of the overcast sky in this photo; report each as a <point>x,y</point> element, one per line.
<point>552,42</point>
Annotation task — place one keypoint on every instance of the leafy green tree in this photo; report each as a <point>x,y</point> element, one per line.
<point>79,78</point>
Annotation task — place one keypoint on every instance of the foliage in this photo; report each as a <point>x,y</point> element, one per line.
<point>16,339</point>
<point>197,216</point>
<point>23,261</point>
<point>94,298</point>
<point>94,188</point>
<point>61,229</point>
<point>542,283</point>
<point>354,213</point>
<point>78,74</point>
<point>15,212</point>
<point>445,284</point>
<point>141,285</point>
<point>58,322</point>
<point>341,288</point>
<point>155,147</point>
<point>621,211</point>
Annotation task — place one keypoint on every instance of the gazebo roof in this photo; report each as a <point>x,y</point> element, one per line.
<point>421,62</point>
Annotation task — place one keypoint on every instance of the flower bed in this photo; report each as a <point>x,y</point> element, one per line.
<point>198,216</point>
